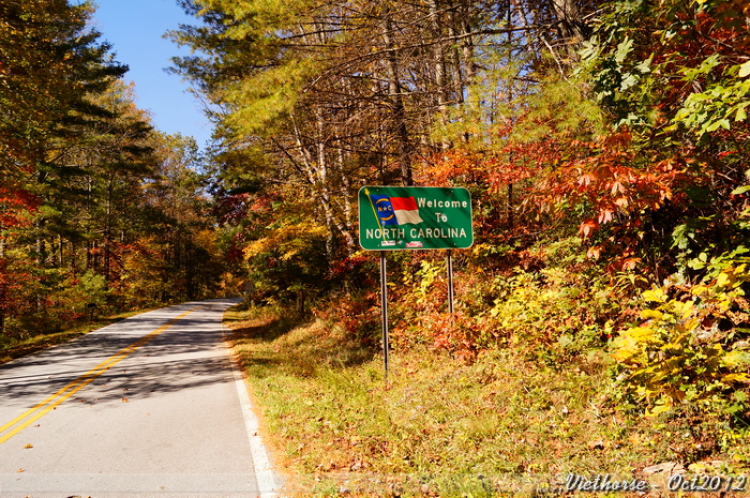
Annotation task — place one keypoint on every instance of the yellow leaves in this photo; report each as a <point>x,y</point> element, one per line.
<point>649,314</point>
<point>632,343</point>
<point>691,325</point>
<point>287,242</point>
<point>655,296</point>
<point>662,406</point>
<point>736,378</point>
<point>741,114</point>
<point>683,310</point>
<point>744,69</point>
<point>483,249</point>
<point>699,290</point>
<point>677,355</point>
<point>722,279</point>
<point>736,358</point>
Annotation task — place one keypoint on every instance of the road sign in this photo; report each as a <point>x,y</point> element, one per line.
<point>406,218</point>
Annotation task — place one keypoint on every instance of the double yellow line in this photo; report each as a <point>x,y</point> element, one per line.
<point>32,415</point>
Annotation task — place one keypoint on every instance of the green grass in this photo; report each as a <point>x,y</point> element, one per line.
<point>13,347</point>
<point>441,427</point>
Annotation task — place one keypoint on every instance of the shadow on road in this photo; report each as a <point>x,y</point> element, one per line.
<point>189,354</point>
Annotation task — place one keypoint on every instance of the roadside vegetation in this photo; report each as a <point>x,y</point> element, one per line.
<point>526,385</point>
<point>498,423</point>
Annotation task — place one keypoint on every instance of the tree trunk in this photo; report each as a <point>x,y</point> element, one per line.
<point>441,80</point>
<point>398,112</point>
<point>60,251</point>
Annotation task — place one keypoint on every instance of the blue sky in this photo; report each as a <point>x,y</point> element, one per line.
<point>135,29</point>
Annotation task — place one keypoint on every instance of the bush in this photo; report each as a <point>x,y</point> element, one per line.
<point>562,307</point>
<point>690,350</point>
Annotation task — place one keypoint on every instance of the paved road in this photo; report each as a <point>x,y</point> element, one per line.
<point>149,406</point>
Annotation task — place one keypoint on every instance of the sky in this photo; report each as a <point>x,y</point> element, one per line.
<point>135,28</point>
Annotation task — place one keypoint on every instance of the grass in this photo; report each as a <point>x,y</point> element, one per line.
<point>13,347</point>
<point>441,427</point>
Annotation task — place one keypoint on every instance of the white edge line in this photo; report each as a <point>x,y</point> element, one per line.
<point>264,474</point>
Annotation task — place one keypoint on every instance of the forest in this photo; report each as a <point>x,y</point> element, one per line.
<point>98,210</point>
<point>604,145</point>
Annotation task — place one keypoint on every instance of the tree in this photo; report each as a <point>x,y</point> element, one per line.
<point>334,96</point>
<point>671,79</point>
<point>51,63</point>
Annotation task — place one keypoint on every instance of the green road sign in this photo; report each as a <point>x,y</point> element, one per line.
<point>404,218</point>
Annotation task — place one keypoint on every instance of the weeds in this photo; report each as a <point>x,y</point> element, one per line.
<point>441,427</point>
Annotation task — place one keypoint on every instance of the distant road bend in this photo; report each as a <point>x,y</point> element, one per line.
<point>150,406</point>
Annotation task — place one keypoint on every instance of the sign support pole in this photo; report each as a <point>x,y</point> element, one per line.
<point>450,283</point>
<point>384,309</point>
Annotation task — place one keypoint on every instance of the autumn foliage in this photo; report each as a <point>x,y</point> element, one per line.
<point>98,211</point>
<point>604,144</point>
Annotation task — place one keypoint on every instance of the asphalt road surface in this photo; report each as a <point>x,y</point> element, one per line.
<point>150,406</point>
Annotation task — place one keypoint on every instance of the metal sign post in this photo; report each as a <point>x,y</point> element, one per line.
<point>384,308</point>
<point>450,284</point>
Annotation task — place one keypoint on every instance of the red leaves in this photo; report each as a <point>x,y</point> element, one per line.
<point>588,228</point>
<point>14,203</point>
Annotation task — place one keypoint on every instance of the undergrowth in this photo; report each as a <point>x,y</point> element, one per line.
<point>501,422</point>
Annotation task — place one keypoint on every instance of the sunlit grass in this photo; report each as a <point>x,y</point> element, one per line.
<point>441,427</point>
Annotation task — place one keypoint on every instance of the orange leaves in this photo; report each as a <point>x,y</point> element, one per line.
<point>613,182</point>
<point>622,202</point>
<point>588,228</point>
<point>14,202</point>
<point>617,187</point>
<point>586,179</point>
<point>605,216</point>
<point>495,169</point>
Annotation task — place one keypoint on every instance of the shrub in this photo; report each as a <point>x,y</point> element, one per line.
<point>690,350</point>
<point>560,308</point>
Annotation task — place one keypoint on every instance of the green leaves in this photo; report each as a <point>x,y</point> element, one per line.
<point>715,108</point>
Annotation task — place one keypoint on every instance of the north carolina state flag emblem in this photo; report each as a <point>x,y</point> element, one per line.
<point>396,210</point>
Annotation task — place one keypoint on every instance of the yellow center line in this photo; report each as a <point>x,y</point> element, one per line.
<point>44,407</point>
